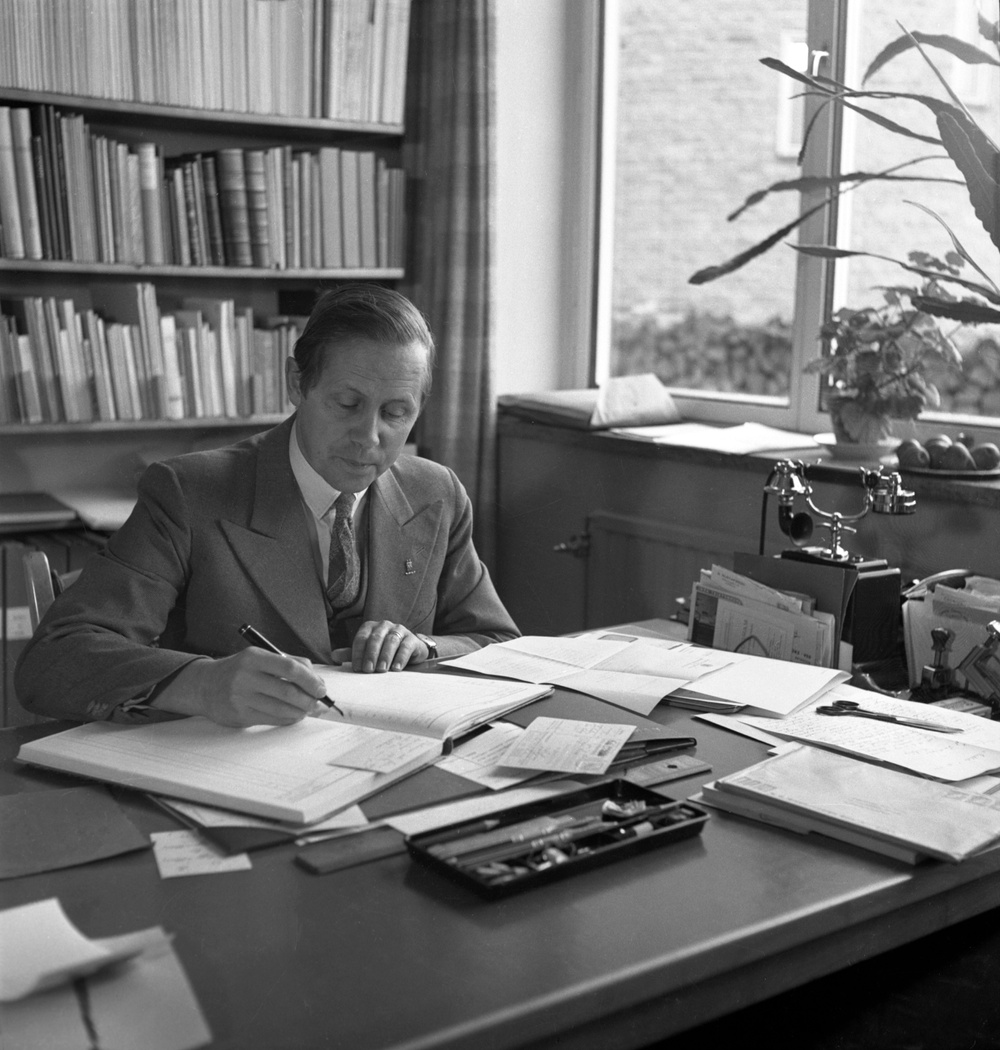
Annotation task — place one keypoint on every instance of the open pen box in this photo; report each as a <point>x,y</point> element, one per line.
<point>537,842</point>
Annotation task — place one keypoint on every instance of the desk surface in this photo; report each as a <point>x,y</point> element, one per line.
<point>392,955</point>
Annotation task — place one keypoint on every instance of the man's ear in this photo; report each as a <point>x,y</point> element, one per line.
<point>293,381</point>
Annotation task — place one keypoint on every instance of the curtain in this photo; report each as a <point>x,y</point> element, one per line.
<point>448,155</point>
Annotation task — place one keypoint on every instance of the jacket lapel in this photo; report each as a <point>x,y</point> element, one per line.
<point>401,541</point>
<point>276,551</point>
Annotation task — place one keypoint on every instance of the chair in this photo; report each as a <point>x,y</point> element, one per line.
<point>43,584</point>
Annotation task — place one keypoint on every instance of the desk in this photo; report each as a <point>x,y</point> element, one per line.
<point>392,955</point>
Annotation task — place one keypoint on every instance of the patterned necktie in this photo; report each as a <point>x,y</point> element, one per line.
<point>344,575</point>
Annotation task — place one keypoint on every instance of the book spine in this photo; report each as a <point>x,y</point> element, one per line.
<point>191,214</point>
<point>11,230</point>
<point>151,194</point>
<point>49,247</point>
<point>234,207</point>
<point>216,242</point>
<point>26,191</point>
<point>259,222</point>
<point>350,209</point>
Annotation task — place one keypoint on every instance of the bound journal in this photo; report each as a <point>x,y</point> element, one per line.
<point>391,725</point>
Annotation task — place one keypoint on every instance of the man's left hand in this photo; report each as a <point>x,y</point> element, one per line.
<point>381,645</point>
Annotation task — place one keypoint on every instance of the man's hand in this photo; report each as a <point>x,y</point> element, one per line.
<point>254,687</point>
<point>382,646</point>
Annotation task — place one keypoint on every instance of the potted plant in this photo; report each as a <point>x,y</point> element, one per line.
<point>878,355</point>
<point>878,365</point>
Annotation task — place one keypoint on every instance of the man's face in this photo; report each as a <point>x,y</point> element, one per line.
<point>352,424</point>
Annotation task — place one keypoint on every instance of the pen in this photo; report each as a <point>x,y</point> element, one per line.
<point>254,637</point>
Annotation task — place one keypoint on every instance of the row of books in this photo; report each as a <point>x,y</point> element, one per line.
<point>68,193</point>
<point>121,358</point>
<point>335,59</point>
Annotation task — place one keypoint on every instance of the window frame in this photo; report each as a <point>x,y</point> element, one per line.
<point>817,281</point>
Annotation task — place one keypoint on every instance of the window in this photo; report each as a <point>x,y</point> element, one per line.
<point>693,124</point>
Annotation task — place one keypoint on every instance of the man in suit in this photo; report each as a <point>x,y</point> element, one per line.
<point>255,533</point>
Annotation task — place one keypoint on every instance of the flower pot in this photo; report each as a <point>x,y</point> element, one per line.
<point>855,424</point>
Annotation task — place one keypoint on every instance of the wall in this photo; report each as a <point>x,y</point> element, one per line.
<point>544,193</point>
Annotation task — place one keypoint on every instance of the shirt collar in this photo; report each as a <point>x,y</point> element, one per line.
<point>318,494</point>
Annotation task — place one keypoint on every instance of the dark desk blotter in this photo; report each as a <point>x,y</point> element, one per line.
<point>62,827</point>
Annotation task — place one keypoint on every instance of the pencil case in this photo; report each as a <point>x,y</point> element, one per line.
<point>538,842</point>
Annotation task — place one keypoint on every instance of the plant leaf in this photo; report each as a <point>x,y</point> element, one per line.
<point>807,183</point>
<point>959,48</point>
<point>959,247</point>
<point>823,252</point>
<point>989,30</point>
<point>979,161</point>
<point>965,310</point>
<point>711,273</point>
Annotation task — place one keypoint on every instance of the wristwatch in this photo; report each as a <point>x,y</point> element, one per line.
<point>432,649</point>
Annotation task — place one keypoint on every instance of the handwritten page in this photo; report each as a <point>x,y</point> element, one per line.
<point>950,757</point>
<point>479,759</point>
<point>382,751</point>
<point>180,853</point>
<point>567,746</point>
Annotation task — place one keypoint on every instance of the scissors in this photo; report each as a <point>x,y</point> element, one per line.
<point>851,707</point>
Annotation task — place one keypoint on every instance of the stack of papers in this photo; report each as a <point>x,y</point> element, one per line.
<point>909,818</point>
<point>951,757</point>
<point>736,613</point>
<point>639,673</point>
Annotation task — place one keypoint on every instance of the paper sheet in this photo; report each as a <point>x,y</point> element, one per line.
<point>478,759</point>
<point>180,853</point>
<point>957,757</point>
<point>566,746</point>
<point>145,1001</point>
<point>42,949</point>
<point>419,820</point>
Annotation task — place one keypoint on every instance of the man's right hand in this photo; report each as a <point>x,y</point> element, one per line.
<point>253,687</point>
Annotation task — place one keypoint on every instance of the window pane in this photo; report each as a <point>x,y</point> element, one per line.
<point>876,217</point>
<point>701,124</point>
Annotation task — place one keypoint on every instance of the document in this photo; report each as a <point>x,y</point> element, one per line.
<point>567,746</point>
<point>61,989</point>
<point>182,853</point>
<point>688,675</point>
<point>937,820</point>
<point>292,773</point>
<point>480,758</point>
<point>950,757</point>
<point>633,673</point>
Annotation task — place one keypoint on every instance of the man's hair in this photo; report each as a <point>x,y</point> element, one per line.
<point>366,311</point>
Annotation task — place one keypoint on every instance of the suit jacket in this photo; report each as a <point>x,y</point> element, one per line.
<point>219,539</point>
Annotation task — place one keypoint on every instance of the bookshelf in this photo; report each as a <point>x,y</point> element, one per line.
<point>132,112</point>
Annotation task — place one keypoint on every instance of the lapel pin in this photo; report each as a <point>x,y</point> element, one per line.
<point>408,569</point>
